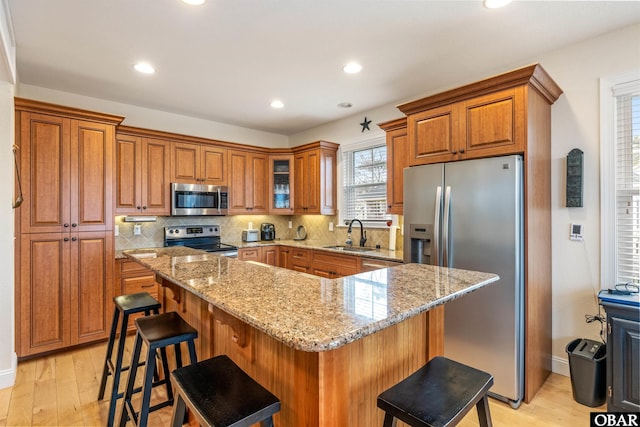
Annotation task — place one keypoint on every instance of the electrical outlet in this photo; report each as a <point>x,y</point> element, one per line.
<point>330,226</point>
<point>137,229</point>
<point>290,224</point>
<point>116,230</point>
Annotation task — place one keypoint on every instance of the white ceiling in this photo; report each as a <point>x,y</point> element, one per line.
<point>225,61</point>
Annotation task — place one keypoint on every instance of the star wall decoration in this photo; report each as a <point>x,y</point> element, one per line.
<point>365,124</point>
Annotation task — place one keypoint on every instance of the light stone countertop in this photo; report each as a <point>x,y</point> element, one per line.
<point>306,312</point>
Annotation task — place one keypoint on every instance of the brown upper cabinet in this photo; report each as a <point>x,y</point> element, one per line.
<point>142,175</point>
<point>483,119</point>
<point>398,158</point>
<point>281,185</point>
<point>198,163</point>
<point>315,178</point>
<point>67,159</point>
<point>248,182</point>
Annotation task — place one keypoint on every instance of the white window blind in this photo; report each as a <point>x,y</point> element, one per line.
<point>365,184</point>
<point>627,181</point>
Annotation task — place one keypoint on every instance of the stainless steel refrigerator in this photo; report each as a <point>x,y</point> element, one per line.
<point>469,215</point>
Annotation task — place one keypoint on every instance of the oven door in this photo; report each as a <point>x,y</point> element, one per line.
<point>198,199</point>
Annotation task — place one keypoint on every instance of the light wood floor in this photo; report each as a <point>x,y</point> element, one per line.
<point>61,390</point>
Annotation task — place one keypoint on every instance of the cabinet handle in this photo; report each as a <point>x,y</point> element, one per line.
<point>73,239</point>
<point>74,225</point>
<point>66,239</point>
<point>150,285</point>
<point>138,207</point>
<point>144,208</point>
<point>454,151</point>
<point>461,150</point>
<point>66,225</point>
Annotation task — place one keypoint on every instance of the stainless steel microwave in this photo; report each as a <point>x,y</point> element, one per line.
<point>199,199</point>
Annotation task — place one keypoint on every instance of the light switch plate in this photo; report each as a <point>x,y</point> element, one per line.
<point>137,230</point>
<point>330,226</point>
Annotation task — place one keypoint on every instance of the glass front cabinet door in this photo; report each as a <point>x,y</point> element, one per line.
<point>281,184</point>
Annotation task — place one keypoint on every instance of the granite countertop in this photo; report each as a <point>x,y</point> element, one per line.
<point>306,312</point>
<point>385,254</point>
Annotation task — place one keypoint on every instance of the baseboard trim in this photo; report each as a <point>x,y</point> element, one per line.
<point>560,366</point>
<point>8,376</point>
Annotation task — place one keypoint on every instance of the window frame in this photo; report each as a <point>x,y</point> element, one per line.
<point>361,145</point>
<point>608,249</point>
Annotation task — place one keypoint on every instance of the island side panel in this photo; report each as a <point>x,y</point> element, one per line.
<point>352,376</point>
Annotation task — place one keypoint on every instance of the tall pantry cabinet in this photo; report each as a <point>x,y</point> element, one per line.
<point>65,247</point>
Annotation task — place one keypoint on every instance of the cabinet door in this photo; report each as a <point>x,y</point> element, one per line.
<point>45,163</point>
<point>284,257</point>
<point>128,175</point>
<point>92,163</point>
<point>250,254</point>
<point>493,124</point>
<point>213,166</point>
<point>247,182</point>
<point>281,185</point>
<point>397,160</point>
<point>44,297</point>
<point>91,294</point>
<point>434,135</point>
<point>326,182</point>
<point>259,184</point>
<point>307,184</point>
<point>270,255</point>
<point>625,354</point>
<point>185,162</point>
<point>156,161</point>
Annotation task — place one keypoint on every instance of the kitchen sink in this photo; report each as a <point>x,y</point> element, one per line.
<point>348,248</point>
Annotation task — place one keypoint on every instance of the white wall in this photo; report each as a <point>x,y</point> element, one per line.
<point>155,119</point>
<point>575,124</point>
<point>7,348</point>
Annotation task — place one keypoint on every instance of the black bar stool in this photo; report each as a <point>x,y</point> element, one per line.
<point>220,394</point>
<point>125,305</point>
<point>438,394</point>
<point>157,332</point>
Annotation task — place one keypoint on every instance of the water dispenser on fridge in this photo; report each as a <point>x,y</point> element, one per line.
<point>421,236</point>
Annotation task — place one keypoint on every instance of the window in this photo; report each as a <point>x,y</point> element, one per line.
<point>365,184</point>
<point>620,185</point>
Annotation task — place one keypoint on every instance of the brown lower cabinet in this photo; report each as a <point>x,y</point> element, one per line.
<point>133,278</point>
<point>264,254</point>
<point>65,292</point>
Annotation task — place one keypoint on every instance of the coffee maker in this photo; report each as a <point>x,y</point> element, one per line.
<point>267,231</point>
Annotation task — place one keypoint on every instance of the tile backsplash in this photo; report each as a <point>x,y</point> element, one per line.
<point>316,226</point>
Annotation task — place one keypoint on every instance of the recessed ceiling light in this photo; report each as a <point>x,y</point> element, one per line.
<point>352,68</point>
<point>194,2</point>
<point>276,103</point>
<point>494,4</point>
<point>345,105</point>
<point>144,67</point>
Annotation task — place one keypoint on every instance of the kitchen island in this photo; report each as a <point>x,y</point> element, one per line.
<point>325,347</point>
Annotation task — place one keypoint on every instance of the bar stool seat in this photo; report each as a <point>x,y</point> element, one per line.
<point>125,305</point>
<point>439,394</point>
<point>221,394</point>
<point>157,332</point>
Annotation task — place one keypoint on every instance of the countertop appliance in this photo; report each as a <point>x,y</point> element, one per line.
<point>199,199</point>
<point>203,237</point>
<point>469,215</point>
<point>267,231</point>
<point>250,235</point>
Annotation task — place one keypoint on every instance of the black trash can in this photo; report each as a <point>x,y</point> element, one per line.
<point>587,363</point>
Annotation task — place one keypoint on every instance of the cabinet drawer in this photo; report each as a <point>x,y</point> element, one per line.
<point>344,261</point>
<point>300,254</point>
<point>131,267</point>
<point>250,254</point>
<point>134,285</point>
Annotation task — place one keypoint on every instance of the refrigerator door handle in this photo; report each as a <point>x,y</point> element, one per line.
<point>436,227</point>
<point>445,228</point>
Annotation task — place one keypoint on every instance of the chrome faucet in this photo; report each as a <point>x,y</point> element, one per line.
<point>363,234</point>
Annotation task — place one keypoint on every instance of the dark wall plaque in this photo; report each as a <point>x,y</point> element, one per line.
<point>575,172</point>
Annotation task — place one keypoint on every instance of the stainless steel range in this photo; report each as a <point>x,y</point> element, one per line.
<point>203,237</point>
